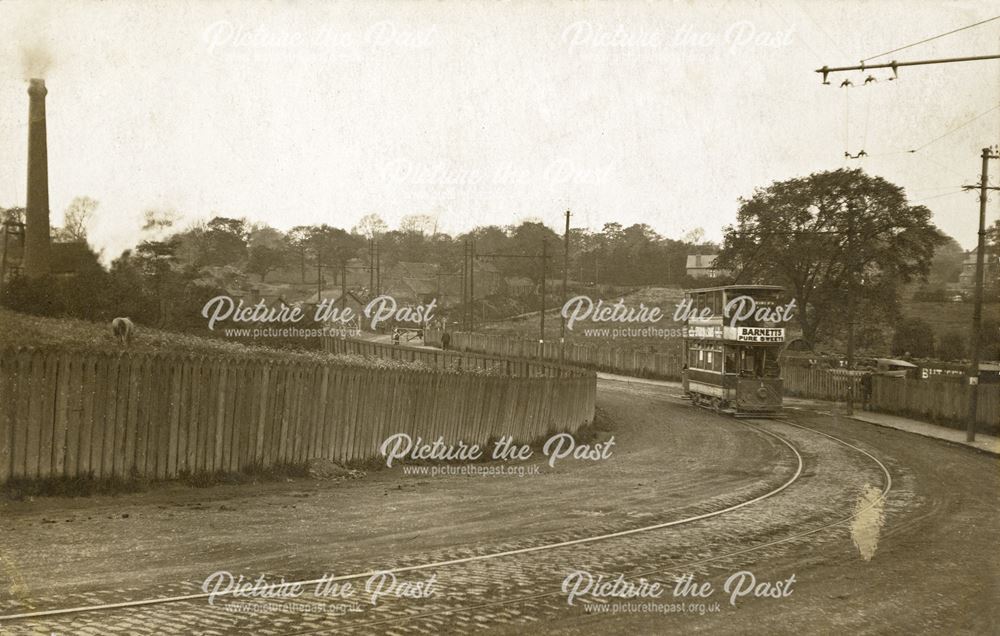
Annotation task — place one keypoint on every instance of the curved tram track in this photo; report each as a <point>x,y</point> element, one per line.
<point>34,617</point>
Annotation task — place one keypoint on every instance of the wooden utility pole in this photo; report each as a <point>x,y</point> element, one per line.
<point>343,283</point>
<point>472,284</point>
<point>562,323</point>
<point>850,309</point>
<point>319,276</point>
<point>545,248</point>
<point>977,312</point>
<point>465,285</point>
<point>371,265</point>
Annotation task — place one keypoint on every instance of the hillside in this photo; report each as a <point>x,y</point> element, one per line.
<point>665,298</point>
<point>24,330</point>
<point>949,317</point>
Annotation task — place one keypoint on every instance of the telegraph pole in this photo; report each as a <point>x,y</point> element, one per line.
<point>562,323</point>
<point>378,270</point>
<point>371,265</point>
<point>850,311</point>
<point>343,282</point>
<point>472,284</point>
<point>545,247</point>
<point>319,276</point>
<point>465,285</point>
<point>977,312</point>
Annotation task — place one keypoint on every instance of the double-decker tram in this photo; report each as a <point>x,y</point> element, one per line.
<point>732,338</point>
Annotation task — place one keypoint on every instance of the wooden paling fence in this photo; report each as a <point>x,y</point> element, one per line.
<point>161,415</point>
<point>940,400</point>
<point>610,358</point>
<point>937,399</point>
<point>820,384</point>
<point>504,364</point>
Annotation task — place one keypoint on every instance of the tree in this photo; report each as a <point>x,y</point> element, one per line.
<point>821,235</point>
<point>951,346</point>
<point>423,224</point>
<point>268,250</point>
<point>695,236</point>
<point>370,226</point>
<point>914,337</point>
<point>78,214</point>
<point>221,241</point>
<point>298,244</point>
<point>993,240</point>
<point>947,262</point>
<point>12,215</point>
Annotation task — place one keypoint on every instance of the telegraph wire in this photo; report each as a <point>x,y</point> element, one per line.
<point>938,196</point>
<point>960,126</point>
<point>932,38</point>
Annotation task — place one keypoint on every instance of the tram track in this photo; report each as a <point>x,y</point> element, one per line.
<point>520,599</point>
<point>680,568</point>
<point>188,598</point>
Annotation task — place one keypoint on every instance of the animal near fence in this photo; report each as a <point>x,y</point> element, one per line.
<point>161,415</point>
<point>610,358</point>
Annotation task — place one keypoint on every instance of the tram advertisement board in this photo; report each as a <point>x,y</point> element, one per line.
<point>760,335</point>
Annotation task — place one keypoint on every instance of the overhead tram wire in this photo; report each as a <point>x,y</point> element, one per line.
<point>959,127</point>
<point>931,38</point>
<point>938,196</point>
<point>912,151</point>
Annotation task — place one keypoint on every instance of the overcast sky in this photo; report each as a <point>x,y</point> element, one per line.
<point>488,113</point>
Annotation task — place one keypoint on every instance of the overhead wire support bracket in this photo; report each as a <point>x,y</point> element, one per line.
<point>894,65</point>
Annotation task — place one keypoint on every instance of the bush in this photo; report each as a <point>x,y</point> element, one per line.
<point>913,337</point>
<point>931,295</point>
<point>952,346</point>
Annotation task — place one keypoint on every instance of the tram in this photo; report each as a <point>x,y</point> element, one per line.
<point>732,338</point>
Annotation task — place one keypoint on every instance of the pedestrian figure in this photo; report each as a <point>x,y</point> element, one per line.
<point>395,336</point>
<point>445,340</point>
<point>866,391</point>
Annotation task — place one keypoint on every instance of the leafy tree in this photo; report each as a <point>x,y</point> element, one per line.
<point>13,215</point>
<point>298,244</point>
<point>78,215</point>
<point>991,339</point>
<point>947,262</point>
<point>952,346</point>
<point>914,337</point>
<point>370,226</point>
<point>418,224</point>
<point>221,241</point>
<point>820,235</point>
<point>526,239</point>
<point>993,239</point>
<point>268,250</point>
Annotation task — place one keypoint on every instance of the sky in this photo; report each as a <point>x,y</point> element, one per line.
<point>476,113</point>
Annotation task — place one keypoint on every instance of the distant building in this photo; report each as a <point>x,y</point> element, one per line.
<point>64,259</point>
<point>702,266</point>
<point>518,286</point>
<point>991,268</point>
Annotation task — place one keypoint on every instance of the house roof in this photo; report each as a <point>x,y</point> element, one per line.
<point>701,261</point>
<point>412,269</point>
<point>421,286</point>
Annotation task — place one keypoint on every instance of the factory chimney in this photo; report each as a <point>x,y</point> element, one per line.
<point>36,239</point>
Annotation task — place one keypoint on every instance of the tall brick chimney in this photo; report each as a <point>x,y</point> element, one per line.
<point>36,232</point>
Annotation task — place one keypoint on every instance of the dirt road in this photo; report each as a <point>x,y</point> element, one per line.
<point>922,561</point>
